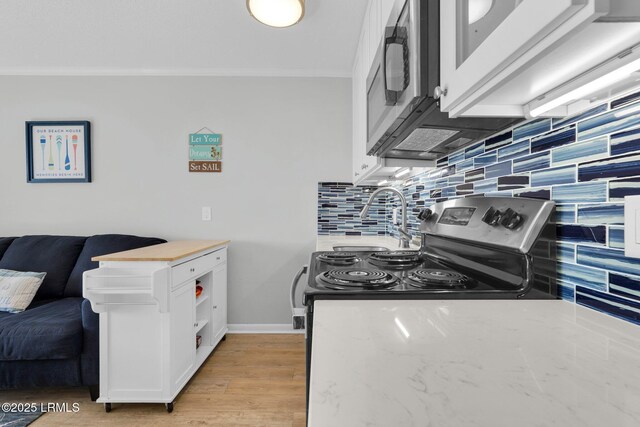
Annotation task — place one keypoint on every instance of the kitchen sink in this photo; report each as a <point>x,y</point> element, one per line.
<point>356,248</point>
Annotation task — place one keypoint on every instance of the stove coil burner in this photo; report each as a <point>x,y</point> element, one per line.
<point>429,277</point>
<point>363,278</point>
<point>339,258</point>
<point>395,258</point>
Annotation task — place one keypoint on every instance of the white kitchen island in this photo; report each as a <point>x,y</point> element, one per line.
<point>163,309</point>
<point>472,363</point>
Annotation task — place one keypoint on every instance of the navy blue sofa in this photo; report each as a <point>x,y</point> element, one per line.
<point>55,341</point>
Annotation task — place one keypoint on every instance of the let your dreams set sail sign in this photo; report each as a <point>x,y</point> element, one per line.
<point>205,151</point>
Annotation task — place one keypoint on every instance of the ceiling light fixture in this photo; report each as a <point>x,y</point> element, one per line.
<point>277,13</point>
<point>478,9</point>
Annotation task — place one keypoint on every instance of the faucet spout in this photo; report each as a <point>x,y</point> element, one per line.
<point>405,237</point>
<point>364,212</point>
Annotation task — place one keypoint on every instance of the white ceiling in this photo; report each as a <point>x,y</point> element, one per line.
<point>173,37</point>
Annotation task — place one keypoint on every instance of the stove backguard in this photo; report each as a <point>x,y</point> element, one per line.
<point>510,223</point>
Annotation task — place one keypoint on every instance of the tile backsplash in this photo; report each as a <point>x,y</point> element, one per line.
<point>586,164</point>
<point>339,206</point>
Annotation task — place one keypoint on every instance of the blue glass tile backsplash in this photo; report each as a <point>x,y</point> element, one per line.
<point>533,162</point>
<point>339,206</point>
<point>620,188</point>
<point>586,163</point>
<point>555,138</point>
<point>583,151</point>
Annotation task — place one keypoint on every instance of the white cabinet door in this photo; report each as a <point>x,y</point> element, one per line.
<point>374,30</point>
<point>219,301</point>
<point>363,43</point>
<point>370,39</point>
<point>183,338</point>
<point>356,125</point>
<point>475,49</point>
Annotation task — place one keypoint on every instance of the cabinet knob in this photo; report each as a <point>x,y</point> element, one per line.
<point>356,174</point>
<point>195,325</point>
<point>218,258</point>
<point>215,306</point>
<point>438,92</point>
<point>192,270</point>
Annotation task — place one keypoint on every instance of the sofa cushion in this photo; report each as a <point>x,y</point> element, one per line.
<point>17,289</point>
<point>101,245</point>
<point>47,330</point>
<point>54,255</point>
<point>5,242</point>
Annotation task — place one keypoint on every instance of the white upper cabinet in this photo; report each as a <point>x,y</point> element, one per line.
<point>375,29</point>
<point>371,35</point>
<point>533,57</point>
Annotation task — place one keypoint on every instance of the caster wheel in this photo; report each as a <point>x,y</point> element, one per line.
<point>107,407</point>
<point>169,407</point>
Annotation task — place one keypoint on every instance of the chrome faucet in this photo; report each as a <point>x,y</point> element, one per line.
<point>405,237</point>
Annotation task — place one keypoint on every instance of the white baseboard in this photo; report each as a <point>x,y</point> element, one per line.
<point>263,328</point>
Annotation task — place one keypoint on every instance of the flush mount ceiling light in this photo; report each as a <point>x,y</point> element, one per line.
<point>478,9</point>
<point>277,13</point>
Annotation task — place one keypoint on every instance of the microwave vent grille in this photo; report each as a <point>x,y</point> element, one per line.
<point>424,139</point>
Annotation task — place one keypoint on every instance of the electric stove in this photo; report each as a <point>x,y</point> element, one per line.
<point>472,248</point>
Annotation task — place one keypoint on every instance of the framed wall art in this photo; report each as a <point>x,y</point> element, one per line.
<point>58,151</point>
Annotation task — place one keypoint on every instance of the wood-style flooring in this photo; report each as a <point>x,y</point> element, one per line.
<point>249,380</point>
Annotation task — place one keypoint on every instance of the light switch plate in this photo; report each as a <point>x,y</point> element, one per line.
<point>632,226</point>
<point>206,213</point>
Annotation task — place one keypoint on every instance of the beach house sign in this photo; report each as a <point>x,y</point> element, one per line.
<point>205,151</point>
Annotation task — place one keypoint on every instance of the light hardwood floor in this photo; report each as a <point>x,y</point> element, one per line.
<point>249,380</point>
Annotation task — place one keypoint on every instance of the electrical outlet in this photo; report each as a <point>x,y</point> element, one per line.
<point>632,226</point>
<point>206,213</point>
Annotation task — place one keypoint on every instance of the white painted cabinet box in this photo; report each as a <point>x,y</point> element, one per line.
<point>150,317</point>
<point>378,11</point>
<point>528,57</point>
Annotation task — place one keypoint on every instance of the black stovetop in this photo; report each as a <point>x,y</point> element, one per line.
<point>348,279</point>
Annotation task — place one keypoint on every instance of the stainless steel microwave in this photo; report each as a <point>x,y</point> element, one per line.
<point>403,113</point>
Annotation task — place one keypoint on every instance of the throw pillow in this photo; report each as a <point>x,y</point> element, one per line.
<point>17,289</point>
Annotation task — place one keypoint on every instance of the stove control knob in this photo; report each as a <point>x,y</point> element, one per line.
<point>511,219</point>
<point>492,217</point>
<point>425,214</point>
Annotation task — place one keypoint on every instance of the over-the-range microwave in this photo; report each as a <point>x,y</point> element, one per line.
<point>403,113</point>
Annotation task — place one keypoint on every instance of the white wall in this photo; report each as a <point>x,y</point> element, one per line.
<point>280,137</point>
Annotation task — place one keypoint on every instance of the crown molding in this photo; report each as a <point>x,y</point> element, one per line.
<point>184,72</point>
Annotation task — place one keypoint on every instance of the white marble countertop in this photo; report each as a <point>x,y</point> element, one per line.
<point>472,363</point>
<point>326,243</point>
